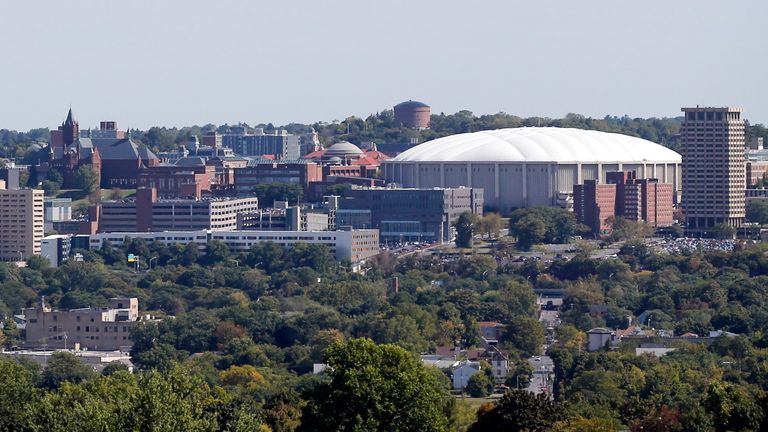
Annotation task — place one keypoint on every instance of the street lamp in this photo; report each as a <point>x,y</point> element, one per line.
<point>150,262</point>
<point>21,256</point>
<point>237,263</point>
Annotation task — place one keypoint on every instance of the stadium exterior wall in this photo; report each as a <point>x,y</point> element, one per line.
<point>510,185</point>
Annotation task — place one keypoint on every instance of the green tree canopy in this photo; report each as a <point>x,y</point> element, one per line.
<point>519,410</point>
<point>465,228</point>
<point>87,178</point>
<point>375,388</point>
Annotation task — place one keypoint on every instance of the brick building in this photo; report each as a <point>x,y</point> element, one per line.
<point>643,200</point>
<point>257,172</point>
<point>593,204</point>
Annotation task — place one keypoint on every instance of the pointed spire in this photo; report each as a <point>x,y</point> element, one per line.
<point>69,121</point>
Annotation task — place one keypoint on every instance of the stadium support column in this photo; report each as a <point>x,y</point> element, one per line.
<point>418,176</point>
<point>525,184</point>
<point>579,174</point>
<point>442,175</point>
<point>599,173</point>
<point>469,175</point>
<point>550,185</point>
<point>496,193</point>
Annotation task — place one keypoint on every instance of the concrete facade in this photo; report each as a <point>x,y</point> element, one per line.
<point>92,328</point>
<point>351,245</point>
<point>714,177</point>
<point>147,213</point>
<point>22,218</point>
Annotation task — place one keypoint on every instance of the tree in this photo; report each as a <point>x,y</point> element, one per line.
<point>216,251</point>
<point>731,407</point>
<point>491,224</point>
<point>65,367</point>
<point>519,410</point>
<point>87,178</point>
<point>268,193</point>
<point>375,387</point>
<point>465,226</point>
<point>525,334</point>
<point>18,395</point>
<point>529,230</point>
<point>625,229</point>
<point>724,231</point>
<point>479,385</point>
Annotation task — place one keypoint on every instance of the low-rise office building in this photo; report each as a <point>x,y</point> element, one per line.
<point>91,328</point>
<point>148,213</point>
<point>56,248</point>
<point>264,171</point>
<point>351,245</point>
<point>405,214</point>
<point>285,218</point>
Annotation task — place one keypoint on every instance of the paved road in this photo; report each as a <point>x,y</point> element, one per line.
<point>543,367</point>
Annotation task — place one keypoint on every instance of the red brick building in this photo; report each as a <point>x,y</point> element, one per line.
<point>642,200</point>
<point>178,181</point>
<point>594,203</point>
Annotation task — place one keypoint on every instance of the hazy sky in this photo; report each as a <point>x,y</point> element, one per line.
<point>185,62</point>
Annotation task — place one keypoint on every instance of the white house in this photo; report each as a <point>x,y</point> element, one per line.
<point>462,373</point>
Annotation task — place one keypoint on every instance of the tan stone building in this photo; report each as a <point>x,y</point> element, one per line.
<point>714,173</point>
<point>21,223</point>
<point>104,329</point>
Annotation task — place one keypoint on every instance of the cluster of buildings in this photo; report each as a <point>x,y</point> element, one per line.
<point>413,193</point>
<point>623,195</point>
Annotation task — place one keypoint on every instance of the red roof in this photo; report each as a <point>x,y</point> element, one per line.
<point>489,324</point>
<point>314,155</point>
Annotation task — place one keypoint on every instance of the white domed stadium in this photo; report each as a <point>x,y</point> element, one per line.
<point>522,167</point>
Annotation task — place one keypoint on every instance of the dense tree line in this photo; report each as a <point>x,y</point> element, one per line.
<point>380,127</point>
<point>254,323</point>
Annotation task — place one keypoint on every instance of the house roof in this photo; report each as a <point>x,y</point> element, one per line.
<point>483,324</point>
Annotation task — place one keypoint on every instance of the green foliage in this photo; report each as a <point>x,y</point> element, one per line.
<point>625,229</point>
<point>65,367</point>
<point>465,228</point>
<point>519,410</point>
<point>18,395</point>
<point>375,387</point>
<point>479,385</point>
<point>87,179</point>
<point>268,193</point>
<point>757,211</point>
<point>541,224</point>
<point>525,334</point>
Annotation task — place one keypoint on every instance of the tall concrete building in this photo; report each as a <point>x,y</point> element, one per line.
<point>21,223</point>
<point>713,146</point>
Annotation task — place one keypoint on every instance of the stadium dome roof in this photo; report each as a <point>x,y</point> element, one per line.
<point>343,148</point>
<point>539,144</point>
